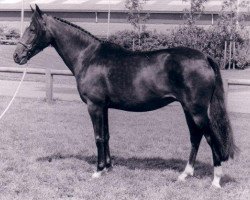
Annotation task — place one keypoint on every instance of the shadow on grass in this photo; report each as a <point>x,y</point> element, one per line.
<point>201,169</point>
<point>227,179</point>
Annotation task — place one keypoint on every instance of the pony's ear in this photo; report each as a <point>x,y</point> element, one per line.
<point>38,10</point>
<point>39,16</point>
<point>32,9</point>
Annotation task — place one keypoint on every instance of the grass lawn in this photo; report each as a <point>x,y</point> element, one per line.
<point>48,152</point>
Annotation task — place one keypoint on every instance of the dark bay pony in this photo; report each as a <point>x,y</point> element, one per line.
<point>108,76</point>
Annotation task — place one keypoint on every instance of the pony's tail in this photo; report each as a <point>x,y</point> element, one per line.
<point>222,131</point>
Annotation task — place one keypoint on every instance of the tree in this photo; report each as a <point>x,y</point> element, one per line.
<point>135,16</point>
<point>231,20</point>
<point>231,27</point>
<point>194,13</point>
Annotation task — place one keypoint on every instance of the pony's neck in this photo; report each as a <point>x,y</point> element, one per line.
<point>72,44</point>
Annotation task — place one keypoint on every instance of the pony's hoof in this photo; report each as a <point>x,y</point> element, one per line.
<point>97,174</point>
<point>182,177</point>
<point>109,168</point>
<point>216,185</point>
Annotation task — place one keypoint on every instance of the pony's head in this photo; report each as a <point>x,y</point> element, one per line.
<point>35,38</point>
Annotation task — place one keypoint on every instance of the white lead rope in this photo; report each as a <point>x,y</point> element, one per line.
<point>15,94</point>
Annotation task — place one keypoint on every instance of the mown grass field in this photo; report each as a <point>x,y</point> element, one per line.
<point>48,152</point>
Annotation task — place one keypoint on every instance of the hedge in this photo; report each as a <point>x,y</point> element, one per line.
<point>8,35</point>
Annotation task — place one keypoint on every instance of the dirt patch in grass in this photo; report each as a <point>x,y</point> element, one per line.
<point>48,152</point>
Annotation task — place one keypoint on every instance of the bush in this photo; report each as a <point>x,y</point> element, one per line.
<point>8,35</point>
<point>123,38</point>
<point>148,40</point>
<point>215,44</point>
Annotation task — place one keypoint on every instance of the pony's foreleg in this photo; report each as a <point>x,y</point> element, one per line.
<point>217,164</point>
<point>195,138</point>
<point>189,171</point>
<point>97,117</point>
<point>108,161</point>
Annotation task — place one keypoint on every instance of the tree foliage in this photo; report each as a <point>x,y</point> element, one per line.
<point>231,19</point>
<point>135,15</point>
<point>194,13</point>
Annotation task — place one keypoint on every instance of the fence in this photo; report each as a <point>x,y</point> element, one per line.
<point>229,54</point>
<point>236,82</point>
<point>50,73</point>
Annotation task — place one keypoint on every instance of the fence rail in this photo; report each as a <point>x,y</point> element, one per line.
<point>236,82</point>
<point>36,71</point>
<point>243,82</point>
<point>49,73</point>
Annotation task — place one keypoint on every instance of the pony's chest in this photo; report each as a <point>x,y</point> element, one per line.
<point>91,88</point>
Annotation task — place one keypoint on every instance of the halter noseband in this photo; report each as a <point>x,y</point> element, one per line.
<point>27,46</point>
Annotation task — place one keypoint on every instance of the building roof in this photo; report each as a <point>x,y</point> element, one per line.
<point>103,5</point>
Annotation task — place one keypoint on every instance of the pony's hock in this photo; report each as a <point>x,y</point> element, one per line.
<point>108,76</point>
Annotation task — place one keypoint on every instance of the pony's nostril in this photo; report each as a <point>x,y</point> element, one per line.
<point>15,55</point>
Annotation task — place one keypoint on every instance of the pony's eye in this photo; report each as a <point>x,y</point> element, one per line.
<point>32,30</point>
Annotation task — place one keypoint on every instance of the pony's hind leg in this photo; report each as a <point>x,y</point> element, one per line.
<point>217,162</point>
<point>195,138</point>
<point>203,122</point>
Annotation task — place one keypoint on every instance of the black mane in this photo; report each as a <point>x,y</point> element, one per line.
<point>105,43</point>
<point>77,27</point>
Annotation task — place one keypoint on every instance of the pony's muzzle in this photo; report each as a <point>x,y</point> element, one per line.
<point>20,58</point>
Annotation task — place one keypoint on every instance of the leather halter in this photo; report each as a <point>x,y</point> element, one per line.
<point>27,46</point>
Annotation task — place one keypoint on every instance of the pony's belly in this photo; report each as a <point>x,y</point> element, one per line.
<point>142,106</point>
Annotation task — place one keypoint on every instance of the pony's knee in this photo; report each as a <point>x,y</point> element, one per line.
<point>99,140</point>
